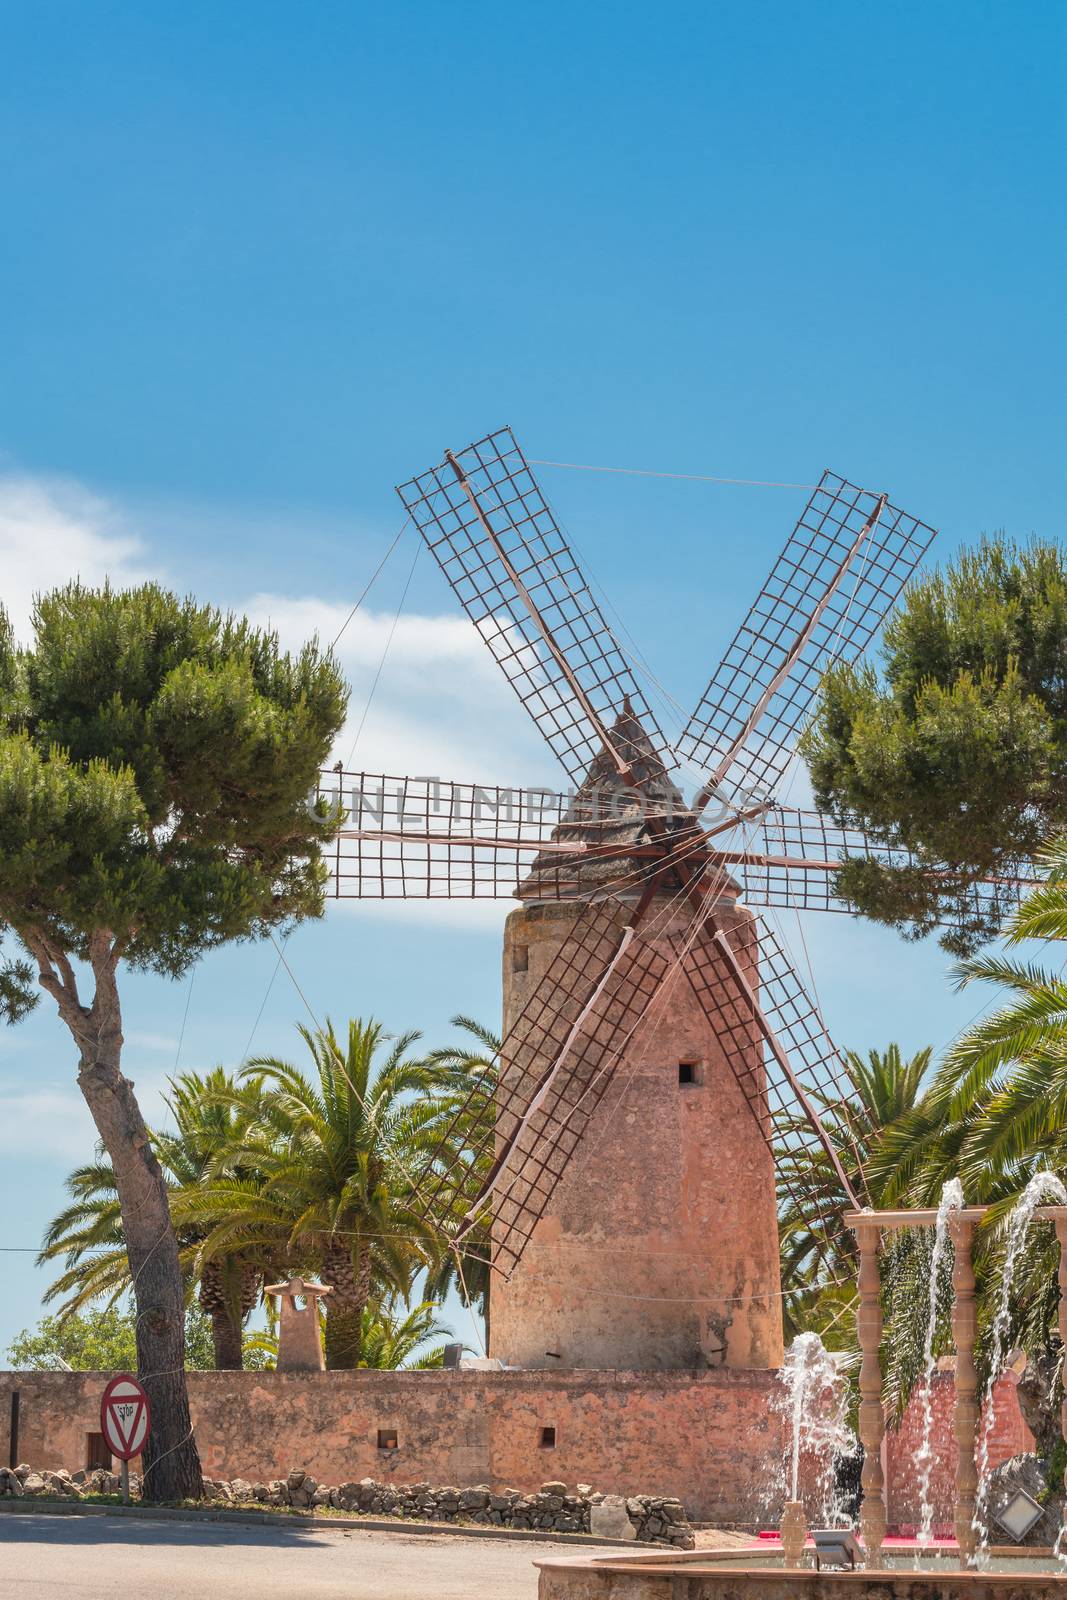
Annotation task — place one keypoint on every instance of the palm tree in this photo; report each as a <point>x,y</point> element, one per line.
<point>210,1114</point>
<point>333,1155</point>
<point>817,1252</point>
<point>996,1112</point>
<point>1005,1079</point>
<point>394,1338</point>
<point>471,1078</point>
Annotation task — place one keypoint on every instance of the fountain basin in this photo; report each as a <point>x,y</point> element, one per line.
<point>760,1575</point>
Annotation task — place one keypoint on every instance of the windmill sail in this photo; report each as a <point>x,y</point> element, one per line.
<point>760,996</point>
<point>653,899</point>
<point>484,518</point>
<point>843,567</point>
<point>514,1136</point>
<point>796,855</point>
<point>776,1044</point>
<point>433,838</point>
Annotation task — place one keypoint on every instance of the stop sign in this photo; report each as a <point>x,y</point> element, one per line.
<point>124,1417</point>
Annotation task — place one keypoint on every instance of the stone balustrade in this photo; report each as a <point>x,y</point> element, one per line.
<point>869,1226</point>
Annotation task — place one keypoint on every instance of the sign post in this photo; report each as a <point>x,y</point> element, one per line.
<point>125,1419</point>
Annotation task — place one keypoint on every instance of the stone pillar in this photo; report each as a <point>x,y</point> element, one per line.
<point>872,1416</point>
<point>966,1409</point>
<point>1061,1235</point>
<point>299,1339</point>
<point>794,1533</point>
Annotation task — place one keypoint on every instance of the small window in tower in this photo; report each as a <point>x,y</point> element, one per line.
<point>520,958</point>
<point>689,1072</point>
<point>387,1439</point>
<point>548,1438</point>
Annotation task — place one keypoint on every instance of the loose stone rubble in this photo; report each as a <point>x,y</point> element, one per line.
<point>24,1481</point>
<point>653,1519</point>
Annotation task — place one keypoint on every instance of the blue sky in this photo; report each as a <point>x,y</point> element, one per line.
<point>260,263</point>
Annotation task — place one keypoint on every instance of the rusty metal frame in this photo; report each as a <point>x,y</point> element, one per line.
<point>800,1066</point>
<point>430,838</point>
<point>797,853</point>
<point>495,1113</point>
<point>743,732</point>
<point>484,518</point>
<point>791,657</point>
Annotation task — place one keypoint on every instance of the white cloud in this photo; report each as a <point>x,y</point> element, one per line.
<point>53,530</point>
<point>441,707</point>
<point>458,916</point>
<point>164,1042</point>
<point>418,642</point>
<point>55,1122</point>
<point>53,1119</point>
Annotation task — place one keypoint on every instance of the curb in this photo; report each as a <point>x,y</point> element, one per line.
<point>268,1519</point>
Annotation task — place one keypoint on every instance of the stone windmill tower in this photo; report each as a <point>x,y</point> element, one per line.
<point>660,1048</point>
<point>660,1245</point>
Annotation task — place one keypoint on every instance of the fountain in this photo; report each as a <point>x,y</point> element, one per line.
<point>758,1575</point>
<point>1042,1186</point>
<point>951,1200</point>
<point>812,1405</point>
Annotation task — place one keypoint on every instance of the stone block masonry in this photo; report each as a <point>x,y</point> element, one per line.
<point>659,1245</point>
<point>706,1439</point>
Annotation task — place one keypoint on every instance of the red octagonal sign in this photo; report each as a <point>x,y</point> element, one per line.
<point>124,1417</point>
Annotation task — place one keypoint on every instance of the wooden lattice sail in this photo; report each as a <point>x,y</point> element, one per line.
<point>651,884</point>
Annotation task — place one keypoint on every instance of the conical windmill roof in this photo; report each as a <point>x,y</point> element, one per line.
<point>606,811</point>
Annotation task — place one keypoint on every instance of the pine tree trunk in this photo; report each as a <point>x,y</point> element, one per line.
<point>170,1462</point>
<point>351,1285</point>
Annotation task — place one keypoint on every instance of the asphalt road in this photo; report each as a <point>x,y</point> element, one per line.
<point>101,1558</point>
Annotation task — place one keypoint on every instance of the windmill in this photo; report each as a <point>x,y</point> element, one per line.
<point>636,940</point>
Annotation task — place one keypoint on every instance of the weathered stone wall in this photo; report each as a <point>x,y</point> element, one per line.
<point>659,1247</point>
<point>554,1508</point>
<point>1008,1437</point>
<point>705,1438</point>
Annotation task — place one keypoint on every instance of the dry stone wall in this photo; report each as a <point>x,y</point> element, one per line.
<point>554,1508</point>
<point>24,1482</point>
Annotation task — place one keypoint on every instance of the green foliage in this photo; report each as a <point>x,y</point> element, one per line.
<point>326,1172</point>
<point>993,1113</point>
<point>996,1113</point>
<point>959,751</point>
<point>100,1341</point>
<point>815,1247</point>
<point>155,758</point>
<point>210,1113</point>
<point>997,1106</point>
<point>155,762</point>
<point>471,1076</point>
<point>1054,1470</point>
<point>247,1160</point>
<point>91,1341</point>
<point>394,1338</point>
<point>819,1257</point>
<point>199,1346</point>
<point>17,995</point>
